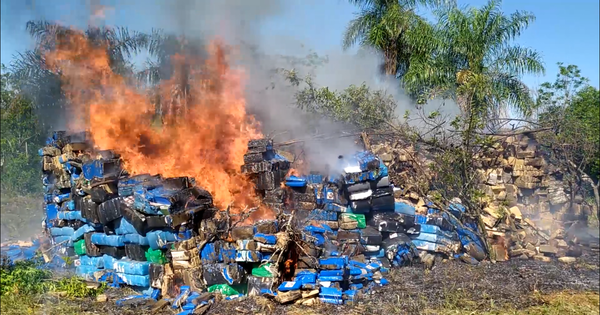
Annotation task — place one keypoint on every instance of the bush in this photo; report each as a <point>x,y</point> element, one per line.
<point>30,278</point>
<point>23,277</point>
<point>22,134</point>
<point>76,288</point>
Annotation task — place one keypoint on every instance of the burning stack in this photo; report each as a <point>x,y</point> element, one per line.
<point>339,209</point>
<point>356,216</point>
<point>121,227</point>
<point>333,239</point>
<point>62,218</point>
<point>267,169</point>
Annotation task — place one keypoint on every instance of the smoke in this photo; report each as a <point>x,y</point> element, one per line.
<point>269,96</point>
<point>242,24</point>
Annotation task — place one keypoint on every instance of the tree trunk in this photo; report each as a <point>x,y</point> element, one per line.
<point>365,139</point>
<point>390,68</point>
<point>390,62</point>
<point>597,197</point>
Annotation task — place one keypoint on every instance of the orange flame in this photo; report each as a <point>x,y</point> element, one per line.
<point>292,172</point>
<point>207,128</point>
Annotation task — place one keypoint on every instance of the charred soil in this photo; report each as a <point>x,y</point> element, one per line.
<point>451,287</point>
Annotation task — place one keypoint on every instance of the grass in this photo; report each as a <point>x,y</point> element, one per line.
<point>567,303</point>
<point>585,265</point>
<point>28,289</point>
<point>564,302</point>
<point>39,304</point>
<point>25,287</point>
<point>548,304</point>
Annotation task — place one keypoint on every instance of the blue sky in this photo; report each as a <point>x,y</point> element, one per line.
<point>566,31</point>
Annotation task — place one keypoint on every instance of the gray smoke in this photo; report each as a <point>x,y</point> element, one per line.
<point>269,95</point>
<point>241,24</point>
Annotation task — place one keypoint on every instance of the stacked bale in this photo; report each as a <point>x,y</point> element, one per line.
<point>62,159</point>
<point>528,206</point>
<point>22,250</point>
<point>121,227</point>
<point>162,235</point>
<point>356,214</point>
<point>528,212</point>
<point>268,169</point>
<point>338,257</point>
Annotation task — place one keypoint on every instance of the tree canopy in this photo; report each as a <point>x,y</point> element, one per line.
<point>571,107</point>
<point>390,27</point>
<point>21,135</point>
<point>357,106</point>
<point>476,62</point>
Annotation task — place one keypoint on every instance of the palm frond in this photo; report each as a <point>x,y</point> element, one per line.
<point>518,60</point>
<point>475,42</point>
<point>358,29</point>
<point>151,73</point>
<point>31,75</point>
<point>45,33</point>
<point>513,91</point>
<point>513,26</point>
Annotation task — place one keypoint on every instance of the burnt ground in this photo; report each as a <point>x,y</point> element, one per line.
<point>451,287</point>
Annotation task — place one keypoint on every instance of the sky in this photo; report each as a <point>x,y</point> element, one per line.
<point>564,31</point>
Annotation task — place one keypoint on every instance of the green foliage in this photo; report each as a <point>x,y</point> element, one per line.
<point>560,92</point>
<point>356,105</point>
<point>76,288</point>
<point>23,277</point>
<point>571,108</point>
<point>585,112</point>
<point>475,61</point>
<point>392,28</point>
<point>21,136</point>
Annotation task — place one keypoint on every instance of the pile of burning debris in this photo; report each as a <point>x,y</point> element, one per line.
<point>334,237</point>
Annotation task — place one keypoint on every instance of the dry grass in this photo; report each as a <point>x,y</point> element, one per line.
<point>551,304</point>
<point>557,303</point>
<point>457,302</point>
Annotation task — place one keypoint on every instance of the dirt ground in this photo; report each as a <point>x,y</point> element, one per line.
<point>514,287</point>
<point>453,284</point>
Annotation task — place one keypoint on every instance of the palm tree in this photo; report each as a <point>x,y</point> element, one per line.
<point>162,65</point>
<point>392,28</point>
<point>119,42</point>
<point>43,84</point>
<point>476,62</point>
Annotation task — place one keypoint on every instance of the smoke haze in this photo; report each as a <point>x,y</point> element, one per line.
<point>241,24</point>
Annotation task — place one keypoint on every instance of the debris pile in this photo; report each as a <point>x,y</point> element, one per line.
<point>527,212</point>
<point>334,237</point>
<point>528,207</point>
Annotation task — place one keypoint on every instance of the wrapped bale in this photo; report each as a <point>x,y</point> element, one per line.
<point>162,233</point>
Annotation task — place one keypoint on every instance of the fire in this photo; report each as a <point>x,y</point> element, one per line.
<point>206,129</point>
<point>292,172</point>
